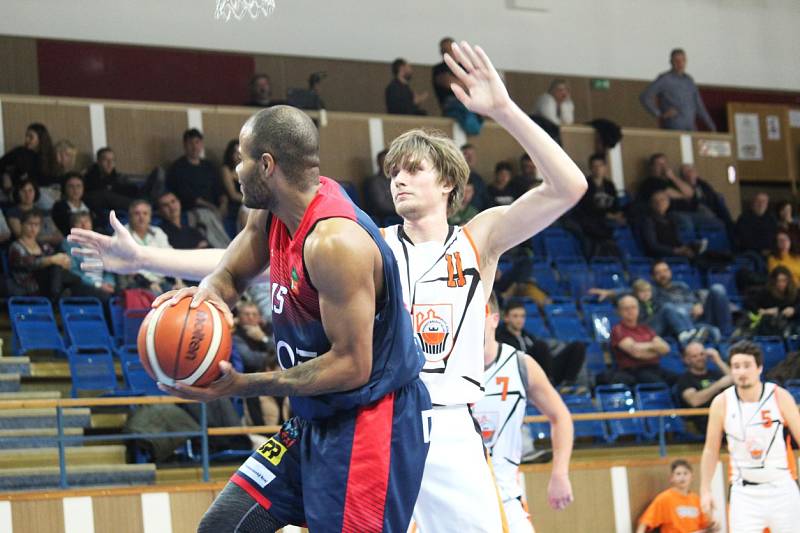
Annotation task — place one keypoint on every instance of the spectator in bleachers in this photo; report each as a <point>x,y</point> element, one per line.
<point>251,341</point>
<point>561,361</point>
<point>659,230</point>
<point>709,307</point>
<point>786,221</point>
<point>637,348</point>
<point>527,179</point>
<point>181,236</point>
<point>37,269</point>
<point>143,233</point>
<point>35,159</point>
<point>106,188</point>
<point>99,279</point>
<point>500,191</point>
<point>198,185</point>
<point>667,319</point>
<point>756,227</point>
<point>556,104</point>
<point>775,307</point>
<point>699,384</point>
<point>261,92</point>
<point>467,210</point>
<point>481,197</point>
<point>674,99</point>
<point>230,181</point>
<point>451,106</point>
<point>677,509</point>
<point>785,253</point>
<point>660,177</point>
<point>704,208</point>
<point>25,195</point>
<point>378,202</point>
<point>599,210</point>
<point>71,202</point>
<point>50,190</point>
<point>400,98</point>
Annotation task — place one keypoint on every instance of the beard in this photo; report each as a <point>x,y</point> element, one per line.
<point>257,194</point>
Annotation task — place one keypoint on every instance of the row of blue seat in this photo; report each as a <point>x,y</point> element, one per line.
<point>92,371</point>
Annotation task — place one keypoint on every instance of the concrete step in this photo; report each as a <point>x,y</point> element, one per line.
<point>9,382</point>
<point>43,418</point>
<point>25,394</point>
<point>76,456</point>
<point>79,476</point>
<point>34,437</point>
<point>15,365</point>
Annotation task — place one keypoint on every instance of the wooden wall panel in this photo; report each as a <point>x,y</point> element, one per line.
<point>394,125</point>
<point>63,120</point>
<point>494,144</point>
<point>777,164</point>
<point>345,149</point>
<point>621,104</point>
<point>117,514</point>
<point>638,145</point>
<point>187,509</point>
<point>593,509</point>
<point>220,126</point>
<point>144,137</point>
<point>20,74</point>
<point>578,142</point>
<point>715,170</point>
<point>43,516</point>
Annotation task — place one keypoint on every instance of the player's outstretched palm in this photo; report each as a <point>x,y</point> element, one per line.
<point>485,93</point>
<point>117,254</point>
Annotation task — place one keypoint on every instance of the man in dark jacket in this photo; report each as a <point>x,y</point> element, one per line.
<point>400,98</point>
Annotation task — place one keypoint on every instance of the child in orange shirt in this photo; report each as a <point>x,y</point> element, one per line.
<point>676,510</point>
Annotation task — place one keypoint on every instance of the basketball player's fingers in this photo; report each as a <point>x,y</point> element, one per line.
<point>216,301</point>
<point>182,391</point>
<point>88,238</point>
<point>462,56</point>
<point>85,252</point>
<point>461,94</point>
<point>455,68</point>
<point>487,63</point>
<point>474,60</point>
<point>163,297</point>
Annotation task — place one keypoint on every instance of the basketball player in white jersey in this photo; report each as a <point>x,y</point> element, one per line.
<point>447,274</point>
<point>512,379</point>
<point>763,470</point>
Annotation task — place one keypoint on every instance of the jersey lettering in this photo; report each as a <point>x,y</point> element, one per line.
<point>503,380</point>
<point>766,418</point>
<point>278,297</point>
<point>455,274</point>
<point>289,357</point>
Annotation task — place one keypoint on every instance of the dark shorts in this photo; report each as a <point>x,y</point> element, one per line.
<point>358,471</point>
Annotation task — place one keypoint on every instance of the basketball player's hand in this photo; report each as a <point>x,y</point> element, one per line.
<point>118,254</point>
<point>228,384</point>
<point>559,492</point>
<point>485,93</point>
<point>199,295</point>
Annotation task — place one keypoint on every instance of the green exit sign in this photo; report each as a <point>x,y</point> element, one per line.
<point>600,84</point>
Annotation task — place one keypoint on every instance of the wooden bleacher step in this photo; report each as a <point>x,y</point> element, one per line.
<point>35,437</point>
<point>43,418</point>
<point>18,479</point>
<point>76,456</point>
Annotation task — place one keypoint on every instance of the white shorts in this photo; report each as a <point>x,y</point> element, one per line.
<point>775,505</point>
<point>519,521</point>
<point>458,492</point>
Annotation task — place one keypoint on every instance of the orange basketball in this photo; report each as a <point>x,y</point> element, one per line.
<point>178,344</point>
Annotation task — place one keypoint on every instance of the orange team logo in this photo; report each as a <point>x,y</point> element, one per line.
<point>755,446</point>
<point>488,424</point>
<point>433,326</point>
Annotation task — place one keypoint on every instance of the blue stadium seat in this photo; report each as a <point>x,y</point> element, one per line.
<point>131,320</point>
<point>138,381</point>
<point>127,352</point>
<point>672,362</point>
<point>639,268</point>
<point>539,430</point>
<point>561,244</point>
<point>92,370</point>
<point>651,396</point>
<point>33,326</point>
<point>600,318</point>
<point>570,263</point>
<point>577,282</point>
<point>717,238</point>
<point>569,328</point>
<point>79,305</point>
<point>793,343</point>
<point>774,351</point>
<point>560,309</point>
<point>726,278</point>
<point>87,329</point>
<point>536,326</point>
<point>619,398</point>
<point>531,307</point>
<point>117,313</point>
<point>595,358</point>
<point>687,274</point>
<point>545,278</point>
<point>582,403</point>
<point>793,386</point>
<point>627,242</point>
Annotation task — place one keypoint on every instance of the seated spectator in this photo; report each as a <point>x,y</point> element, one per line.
<point>757,226</point>
<point>197,184</point>
<point>636,348</point>
<point>451,106</point>
<point>143,233</point>
<point>527,179</point>
<point>252,343</point>
<point>50,190</point>
<point>712,307</point>
<point>25,195</point>
<point>71,202</point>
<point>786,220</point>
<point>704,208</point>
<point>400,98</point>
<point>556,104</point>
<point>467,210</point>
<point>677,509</point>
<point>106,189</point>
<point>660,177</point>
<point>261,92</point>
<point>378,201</point>
<point>785,254</point>
<point>99,279</point>
<point>699,384</point>
<point>599,210</point>
<point>181,236</point>
<point>230,181</point>
<point>500,191</point>
<point>668,320</point>
<point>775,307</point>
<point>35,159</point>
<point>481,198</point>
<point>660,235</point>
<point>562,362</point>
<point>37,270</point>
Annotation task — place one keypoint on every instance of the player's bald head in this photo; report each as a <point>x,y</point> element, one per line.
<point>290,136</point>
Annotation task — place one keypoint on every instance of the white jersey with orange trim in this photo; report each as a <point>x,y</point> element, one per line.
<point>500,415</point>
<point>759,450</point>
<point>444,293</point>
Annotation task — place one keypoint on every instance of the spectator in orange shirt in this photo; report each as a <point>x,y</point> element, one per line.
<point>676,510</point>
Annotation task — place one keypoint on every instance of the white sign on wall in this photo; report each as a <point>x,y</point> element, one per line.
<point>748,137</point>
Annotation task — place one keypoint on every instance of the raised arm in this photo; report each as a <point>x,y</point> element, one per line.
<point>710,458</point>
<point>542,395</point>
<point>501,228</point>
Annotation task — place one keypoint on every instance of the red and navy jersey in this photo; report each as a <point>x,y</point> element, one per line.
<point>299,335</point>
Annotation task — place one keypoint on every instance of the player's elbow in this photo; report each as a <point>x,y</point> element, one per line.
<point>360,371</point>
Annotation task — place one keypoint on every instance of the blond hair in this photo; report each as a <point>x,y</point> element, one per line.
<point>412,147</point>
<point>640,285</point>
